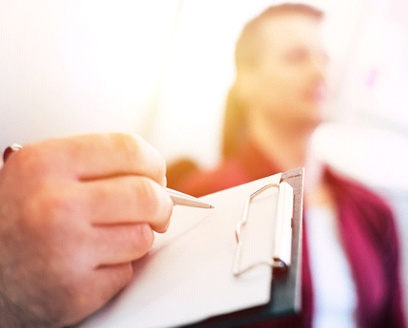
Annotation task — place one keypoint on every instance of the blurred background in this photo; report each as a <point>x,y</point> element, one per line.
<point>162,68</point>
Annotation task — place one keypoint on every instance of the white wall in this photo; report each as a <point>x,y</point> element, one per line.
<point>78,66</point>
<point>160,68</point>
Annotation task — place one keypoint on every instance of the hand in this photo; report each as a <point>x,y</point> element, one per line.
<point>74,214</point>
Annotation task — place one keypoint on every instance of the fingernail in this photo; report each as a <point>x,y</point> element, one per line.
<point>9,150</point>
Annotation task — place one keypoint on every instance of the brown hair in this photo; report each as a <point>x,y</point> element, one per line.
<point>246,57</point>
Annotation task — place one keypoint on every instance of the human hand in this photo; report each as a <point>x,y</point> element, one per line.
<point>74,213</point>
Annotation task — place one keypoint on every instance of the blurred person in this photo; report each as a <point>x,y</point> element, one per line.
<point>350,252</point>
<point>74,213</point>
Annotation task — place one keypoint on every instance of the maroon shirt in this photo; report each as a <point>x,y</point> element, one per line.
<point>367,229</point>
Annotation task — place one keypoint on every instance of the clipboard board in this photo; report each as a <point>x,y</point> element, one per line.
<point>188,279</point>
<point>286,287</point>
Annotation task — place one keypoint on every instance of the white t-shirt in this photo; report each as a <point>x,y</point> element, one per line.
<point>335,297</point>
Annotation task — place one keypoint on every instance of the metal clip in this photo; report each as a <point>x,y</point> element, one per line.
<point>282,230</point>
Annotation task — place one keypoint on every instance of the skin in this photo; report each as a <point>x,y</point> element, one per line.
<point>288,85</point>
<point>74,214</point>
<point>286,93</point>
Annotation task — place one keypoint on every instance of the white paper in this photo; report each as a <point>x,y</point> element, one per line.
<point>187,276</point>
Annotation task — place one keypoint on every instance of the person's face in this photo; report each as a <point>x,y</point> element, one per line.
<point>289,82</point>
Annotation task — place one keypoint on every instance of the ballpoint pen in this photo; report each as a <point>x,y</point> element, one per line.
<point>177,197</point>
<point>180,198</point>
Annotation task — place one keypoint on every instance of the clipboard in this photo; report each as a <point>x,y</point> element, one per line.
<point>286,286</point>
<point>188,278</point>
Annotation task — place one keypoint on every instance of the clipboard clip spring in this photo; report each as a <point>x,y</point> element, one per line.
<point>275,261</point>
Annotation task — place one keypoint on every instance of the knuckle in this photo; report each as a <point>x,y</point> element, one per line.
<point>149,196</point>
<point>127,145</point>
<point>32,161</point>
<point>47,208</point>
<point>141,238</point>
<point>141,155</point>
<point>53,206</point>
<point>157,204</point>
<point>122,141</point>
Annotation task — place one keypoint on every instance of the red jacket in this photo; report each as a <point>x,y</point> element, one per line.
<point>366,227</point>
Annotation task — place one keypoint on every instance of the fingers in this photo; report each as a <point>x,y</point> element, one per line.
<point>92,291</point>
<point>83,208</point>
<point>117,176</point>
<point>95,156</point>
<point>115,245</point>
<point>129,199</point>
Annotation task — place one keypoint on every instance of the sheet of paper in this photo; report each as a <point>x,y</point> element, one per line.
<point>187,276</point>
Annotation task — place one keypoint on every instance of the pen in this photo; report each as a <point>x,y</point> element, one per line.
<point>177,197</point>
<point>180,198</point>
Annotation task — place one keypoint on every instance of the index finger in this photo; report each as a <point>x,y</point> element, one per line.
<point>95,156</point>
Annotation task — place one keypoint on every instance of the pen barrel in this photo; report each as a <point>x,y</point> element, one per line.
<point>180,198</point>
